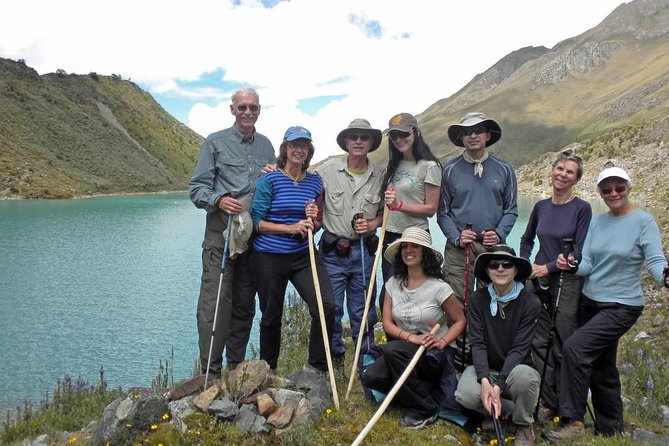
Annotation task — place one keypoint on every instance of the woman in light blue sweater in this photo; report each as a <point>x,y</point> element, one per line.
<point>616,247</point>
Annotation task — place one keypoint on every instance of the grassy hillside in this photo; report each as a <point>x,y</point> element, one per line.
<point>611,76</point>
<point>64,135</point>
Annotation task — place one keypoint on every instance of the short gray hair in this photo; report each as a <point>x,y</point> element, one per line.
<point>244,90</point>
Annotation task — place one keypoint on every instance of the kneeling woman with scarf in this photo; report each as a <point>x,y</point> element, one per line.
<point>501,319</point>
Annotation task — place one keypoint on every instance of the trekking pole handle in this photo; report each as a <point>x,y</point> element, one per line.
<point>568,248</point>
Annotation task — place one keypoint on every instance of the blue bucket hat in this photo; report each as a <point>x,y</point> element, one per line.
<point>297,132</point>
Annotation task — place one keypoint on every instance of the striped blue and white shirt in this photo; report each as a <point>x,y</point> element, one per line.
<point>278,200</point>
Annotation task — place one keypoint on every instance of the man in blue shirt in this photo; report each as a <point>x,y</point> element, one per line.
<point>478,189</point>
<point>223,184</point>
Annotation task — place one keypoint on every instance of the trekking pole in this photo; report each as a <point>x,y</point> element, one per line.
<point>465,299</point>
<point>368,301</point>
<point>321,315</point>
<point>233,194</point>
<point>362,257</point>
<point>567,247</point>
<point>498,427</point>
<point>400,381</point>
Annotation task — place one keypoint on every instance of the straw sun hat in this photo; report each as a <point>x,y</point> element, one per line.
<point>412,235</point>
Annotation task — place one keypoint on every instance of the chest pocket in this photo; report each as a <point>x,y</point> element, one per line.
<point>334,202</point>
<point>370,205</point>
<point>235,166</point>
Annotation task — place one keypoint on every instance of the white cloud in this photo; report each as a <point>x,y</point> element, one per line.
<point>415,54</point>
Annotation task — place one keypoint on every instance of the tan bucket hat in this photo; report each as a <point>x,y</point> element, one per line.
<point>360,124</point>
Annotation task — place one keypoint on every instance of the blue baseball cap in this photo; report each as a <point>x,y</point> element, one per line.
<point>297,132</point>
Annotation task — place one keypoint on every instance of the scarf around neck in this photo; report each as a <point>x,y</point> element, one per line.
<point>478,164</point>
<point>511,295</point>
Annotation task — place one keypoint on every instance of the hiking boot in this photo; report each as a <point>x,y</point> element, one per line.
<point>311,369</point>
<point>412,421</point>
<point>339,364</point>
<point>524,436</point>
<point>545,414</point>
<point>567,432</point>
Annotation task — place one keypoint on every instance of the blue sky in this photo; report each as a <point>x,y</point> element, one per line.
<point>315,63</point>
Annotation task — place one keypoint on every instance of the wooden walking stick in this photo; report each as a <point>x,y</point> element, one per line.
<point>368,301</point>
<point>321,314</point>
<point>400,381</point>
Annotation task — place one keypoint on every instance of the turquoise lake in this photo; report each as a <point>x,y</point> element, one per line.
<point>105,282</point>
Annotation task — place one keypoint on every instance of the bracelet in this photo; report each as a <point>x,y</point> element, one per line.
<point>398,207</point>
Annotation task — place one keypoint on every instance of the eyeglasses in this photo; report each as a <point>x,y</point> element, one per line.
<point>299,144</point>
<point>397,134</point>
<point>506,264</point>
<point>353,137</point>
<point>253,107</point>
<point>607,190</point>
<point>479,129</point>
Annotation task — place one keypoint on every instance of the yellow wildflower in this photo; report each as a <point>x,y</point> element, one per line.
<point>128,425</point>
<point>166,416</point>
<point>556,420</point>
<point>154,427</point>
<point>72,440</point>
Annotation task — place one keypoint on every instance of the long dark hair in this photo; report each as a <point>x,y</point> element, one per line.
<point>431,265</point>
<point>419,150</point>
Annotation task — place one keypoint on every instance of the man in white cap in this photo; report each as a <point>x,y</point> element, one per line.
<point>352,210</point>
<point>477,189</point>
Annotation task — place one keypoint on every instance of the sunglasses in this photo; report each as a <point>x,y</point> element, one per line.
<point>397,134</point>
<point>494,264</point>
<point>608,190</point>
<point>299,144</point>
<point>479,129</point>
<point>353,137</point>
<point>253,107</point>
<point>568,154</point>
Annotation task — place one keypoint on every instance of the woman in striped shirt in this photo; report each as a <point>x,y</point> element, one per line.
<point>284,210</point>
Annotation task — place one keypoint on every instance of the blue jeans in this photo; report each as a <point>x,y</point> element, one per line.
<point>346,279</point>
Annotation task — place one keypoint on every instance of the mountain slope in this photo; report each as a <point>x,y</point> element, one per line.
<point>613,75</point>
<point>70,135</point>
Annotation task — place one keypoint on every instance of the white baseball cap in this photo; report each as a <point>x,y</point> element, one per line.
<point>611,172</point>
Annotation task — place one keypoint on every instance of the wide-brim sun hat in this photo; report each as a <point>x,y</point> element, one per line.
<point>360,124</point>
<point>501,252</point>
<point>297,132</point>
<point>613,172</point>
<point>471,120</point>
<point>412,235</point>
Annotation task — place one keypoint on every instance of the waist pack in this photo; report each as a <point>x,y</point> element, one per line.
<point>342,245</point>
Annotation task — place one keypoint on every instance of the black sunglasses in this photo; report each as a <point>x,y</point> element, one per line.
<point>568,154</point>
<point>608,190</point>
<point>479,129</point>
<point>397,134</point>
<point>353,137</point>
<point>506,264</point>
<point>252,107</point>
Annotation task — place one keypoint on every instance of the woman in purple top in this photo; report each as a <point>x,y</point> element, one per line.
<point>562,216</point>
